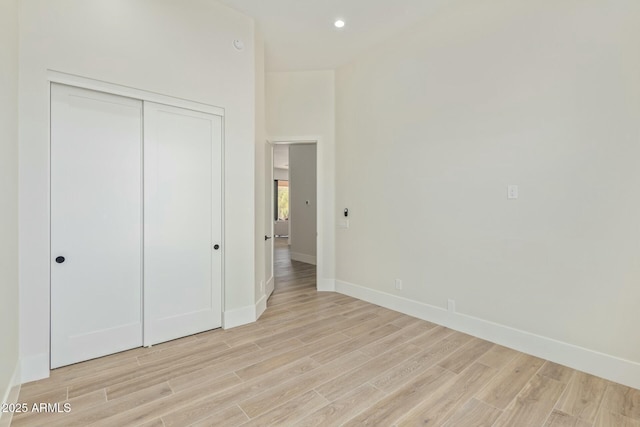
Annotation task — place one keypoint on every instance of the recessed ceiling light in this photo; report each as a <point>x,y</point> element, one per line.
<point>339,23</point>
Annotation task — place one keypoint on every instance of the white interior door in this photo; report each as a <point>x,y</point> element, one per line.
<point>269,220</point>
<point>96,224</point>
<point>183,222</point>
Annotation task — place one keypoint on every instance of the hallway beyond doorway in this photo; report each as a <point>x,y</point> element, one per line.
<point>289,274</point>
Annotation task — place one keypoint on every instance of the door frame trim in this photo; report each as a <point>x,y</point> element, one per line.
<point>324,236</point>
<point>269,282</point>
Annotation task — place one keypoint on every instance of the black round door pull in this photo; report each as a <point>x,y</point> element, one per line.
<point>60,259</point>
<point>216,247</point>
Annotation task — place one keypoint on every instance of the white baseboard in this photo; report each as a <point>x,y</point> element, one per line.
<point>33,368</point>
<point>261,306</point>
<point>308,259</point>
<point>603,365</point>
<point>326,285</point>
<point>239,316</point>
<point>270,286</point>
<point>11,395</point>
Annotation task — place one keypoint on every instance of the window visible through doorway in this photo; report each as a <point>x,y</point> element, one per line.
<point>282,200</point>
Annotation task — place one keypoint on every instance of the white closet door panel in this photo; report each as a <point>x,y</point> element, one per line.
<point>183,183</point>
<point>96,224</point>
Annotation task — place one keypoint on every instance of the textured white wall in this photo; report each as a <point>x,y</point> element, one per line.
<point>160,46</point>
<point>8,193</point>
<point>433,125</point>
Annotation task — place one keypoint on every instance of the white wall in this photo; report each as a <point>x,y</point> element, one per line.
<point>174,48</point>
<point>262,251</point>
<point>9,196</point>
<point>433,125</point>
<point>302,189</point>
<point>302,105</point>
<point>281,174</point>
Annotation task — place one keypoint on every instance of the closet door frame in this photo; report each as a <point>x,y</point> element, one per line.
<point>142,95</point>
<point>129,92</point>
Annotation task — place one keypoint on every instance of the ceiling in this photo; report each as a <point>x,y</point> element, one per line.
<point>299,34</point>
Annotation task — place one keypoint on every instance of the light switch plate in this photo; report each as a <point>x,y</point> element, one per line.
<point>343,223</point>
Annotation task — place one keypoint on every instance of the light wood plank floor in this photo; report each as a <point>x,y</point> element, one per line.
<point>323,359</point>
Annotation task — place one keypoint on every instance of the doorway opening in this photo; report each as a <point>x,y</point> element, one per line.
<point>295,216</point>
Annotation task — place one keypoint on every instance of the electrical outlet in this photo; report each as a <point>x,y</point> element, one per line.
<point>399,284</point>
<point>451,306</point>
<point>512,191</point>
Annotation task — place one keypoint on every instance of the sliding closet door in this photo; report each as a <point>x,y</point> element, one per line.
<point>183,222</point>
<point>96,224</point>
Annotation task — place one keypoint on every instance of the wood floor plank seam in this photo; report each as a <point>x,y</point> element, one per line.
<point>546,420</point>
<point>239,407</point>
<point>444,400</point>
<point>600,406</point>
